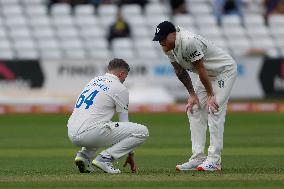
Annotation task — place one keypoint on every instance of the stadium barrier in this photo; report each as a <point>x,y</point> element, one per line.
<point>165,108</point>
<point>58,82</point>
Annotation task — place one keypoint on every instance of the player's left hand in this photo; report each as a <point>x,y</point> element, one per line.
<point>130,160</point>
<point>212,105</point>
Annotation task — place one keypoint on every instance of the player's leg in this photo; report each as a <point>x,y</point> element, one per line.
<point>125,136</point>
<point>85,155</point>
<point>198,126</point>
<point>84,158</point>
<point>222,89</point>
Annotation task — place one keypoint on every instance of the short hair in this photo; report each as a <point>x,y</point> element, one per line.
<point>117,63</point>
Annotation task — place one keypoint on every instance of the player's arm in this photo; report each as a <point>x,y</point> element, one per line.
<point>123,116</point>
<point>184,77</point>
<point>203,76</point>
<point>121,102</point>
<point>212,105</point>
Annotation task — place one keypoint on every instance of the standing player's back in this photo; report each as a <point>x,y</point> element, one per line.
<point>99,100</point>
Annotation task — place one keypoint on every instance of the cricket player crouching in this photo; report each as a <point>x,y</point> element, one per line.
<point>91,128</point>
<point>207,102</point>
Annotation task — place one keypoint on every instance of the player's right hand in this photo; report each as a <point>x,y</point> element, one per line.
<point>192,100</point>
<point>212,105</point>
<point>130,160</point>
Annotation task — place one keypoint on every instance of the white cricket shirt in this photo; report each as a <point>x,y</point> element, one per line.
<point>190,47</point>
<point>99,100</point>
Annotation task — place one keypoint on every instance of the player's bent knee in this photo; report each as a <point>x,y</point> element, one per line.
<point>143,132</point>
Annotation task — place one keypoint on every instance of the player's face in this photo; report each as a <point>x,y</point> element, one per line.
<point>168,43</point>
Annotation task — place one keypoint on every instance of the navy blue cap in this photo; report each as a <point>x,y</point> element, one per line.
<point>163,29</point>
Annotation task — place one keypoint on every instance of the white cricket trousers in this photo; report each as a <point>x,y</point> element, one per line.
<point>200,118</point>
<point>123,136</point>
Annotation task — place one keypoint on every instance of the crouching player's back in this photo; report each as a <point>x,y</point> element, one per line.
<point>90,125</point>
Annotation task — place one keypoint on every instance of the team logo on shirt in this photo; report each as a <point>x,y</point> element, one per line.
<point>195,54</point>
<point>126,108</point>
<point>186,58</point>
<point>221,83</point>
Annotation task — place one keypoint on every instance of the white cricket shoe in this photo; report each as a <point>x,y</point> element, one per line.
<point>107,167</point>
<point>83,165</point>
<point>209,166</point>
<point>190,165</point>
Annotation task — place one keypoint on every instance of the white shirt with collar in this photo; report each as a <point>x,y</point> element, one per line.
<point>190,47</point>
<point>99,100</point>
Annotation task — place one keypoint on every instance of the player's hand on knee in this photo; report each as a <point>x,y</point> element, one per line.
<point>130,160</point>
<point>192,100</point>
<point>212,105</point>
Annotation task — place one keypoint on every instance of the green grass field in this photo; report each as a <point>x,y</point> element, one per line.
<point>36,153</point>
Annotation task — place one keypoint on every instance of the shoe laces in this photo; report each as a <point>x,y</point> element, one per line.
<point>109,164</point>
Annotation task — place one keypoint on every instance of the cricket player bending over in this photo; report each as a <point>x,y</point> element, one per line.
<point>91,128</point>
<point>207,102</point>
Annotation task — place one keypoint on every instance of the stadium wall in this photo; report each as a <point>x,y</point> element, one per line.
<point>58,82</point>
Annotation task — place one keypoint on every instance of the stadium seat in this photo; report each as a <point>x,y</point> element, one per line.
<point>231,20</point>
<point>74,54</point>
<point>24,44</point>
<point>251,20</point>
<point>206,20</point>
<point>234,31</point>
<point>131,10</point>
<point>70,43</point>
<point>213,32</point>
<point>5,44</point>
<point>27,54</point>
<point>33,2</point>
<point>141,31</point>
<point>39,21</point>
<point>60,9</point>
<point>20,32</point>
<point>122,43</point>
<point>36,10</point>
<point>59,21</point>
<point>9,2</point>
<point>143,43</point>
<point>107,10</point>
<point>200,9</point>
<point>43,32</point>
<point>84,10</point>
<point>136,21</point>
<point>9,10</point>
<point>92,31</point>
<point>52,54</point>
<point>6,54</point>
<point>66,32</point>
<point>106,21</point>
<point>156,9</point>
<point>276,20</point>
<point>98,54</point>
<point>15,21</point>
<point>126,54</point>
<point>3,33</point>
<point>147,53</point>
<point>258,32</point>
<point>277,31</point>
<point>86,21</point>
<point>95,44</point>
<point>48,44</point>
<point>183,20</point>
